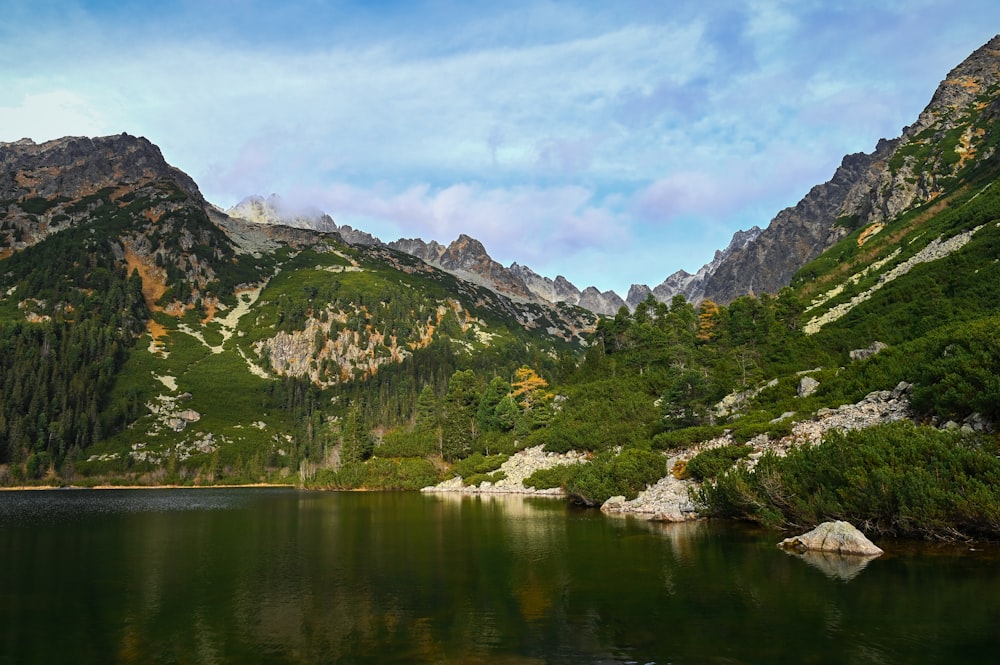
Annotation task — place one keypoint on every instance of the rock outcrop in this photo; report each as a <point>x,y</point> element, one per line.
<point>837,537</point>
<point>520,466</point>
<point>869,351</point>
<point>807,386</point>
<point>669,499</point>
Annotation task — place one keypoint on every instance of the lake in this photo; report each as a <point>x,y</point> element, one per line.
<point>283,576</point>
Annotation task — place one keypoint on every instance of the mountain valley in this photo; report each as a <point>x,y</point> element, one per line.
<point>148,337</point>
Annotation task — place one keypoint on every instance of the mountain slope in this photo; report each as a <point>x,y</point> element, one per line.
<point>951,135</point>
<point>163,332</point>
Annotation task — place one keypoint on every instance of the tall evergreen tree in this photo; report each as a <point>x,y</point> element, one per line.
<point>459,424</point>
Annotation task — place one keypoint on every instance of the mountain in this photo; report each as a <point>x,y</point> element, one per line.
<point>274,211</point>
<point>50,187</point>
<point>465,257</point>
<point>692,287</point>
<point>950,135</point>
<point>866,189</point>
<point>139,324</point>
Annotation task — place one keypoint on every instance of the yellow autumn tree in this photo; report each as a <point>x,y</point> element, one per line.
<point>528,388</point>
<point>708,319</point>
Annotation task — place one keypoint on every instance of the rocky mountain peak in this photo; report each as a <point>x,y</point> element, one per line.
<point>83,166</point>
<point>607,302</point>
<point>951,136</point>
<point>964,84</point>
<point>46,188</point>
<point>275,211</point>
<point>467,258</point>
<point>636,294</point>
<point>466,253</point>
<point>692,287</point>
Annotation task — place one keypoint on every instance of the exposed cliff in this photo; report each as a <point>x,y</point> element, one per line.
<point>692,287</point>
<point>795,236</point>
<point>954,133</point>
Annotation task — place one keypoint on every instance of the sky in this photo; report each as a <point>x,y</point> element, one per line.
<point>610,142</point>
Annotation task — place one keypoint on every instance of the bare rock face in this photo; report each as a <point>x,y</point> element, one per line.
<point>795,236</point>
<point>607,303</point>
<point>692,287</point>
<point>952,133</point>
<point>838,537</point>
<point>555,290</point>
<point>467,258</point>
<point>49,187</point>
<point>636,294</point>
<point>807,386</point>
<point>874,349</point>
<point>76,166</point>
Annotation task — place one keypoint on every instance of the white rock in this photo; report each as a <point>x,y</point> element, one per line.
<point>839,537</point>
<point>807,386</point>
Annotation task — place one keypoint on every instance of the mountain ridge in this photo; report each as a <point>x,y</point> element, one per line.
<point>866,189</point>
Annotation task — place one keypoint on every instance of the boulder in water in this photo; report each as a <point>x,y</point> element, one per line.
<point>840,537</point>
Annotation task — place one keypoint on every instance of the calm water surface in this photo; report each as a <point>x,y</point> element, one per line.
<point>281,576</point>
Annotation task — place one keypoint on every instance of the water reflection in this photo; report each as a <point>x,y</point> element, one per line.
<point>299,577</point>
<point>843,567</point>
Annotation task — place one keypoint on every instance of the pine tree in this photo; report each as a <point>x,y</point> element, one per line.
<point>459,424</point>
<point>486,413</point>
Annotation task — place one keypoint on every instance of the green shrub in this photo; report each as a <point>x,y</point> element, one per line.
<point>626,474</point>
<point>962,374</point>
<point>710,463</point>
<point>408,473</point>
<point>684,438</point>
<point>400,443</point>
<point>899,479</point>
<point>556,476</point>
<point>748,429</point>
<point>599,416</point>
<point>477,463</point>
<point>479,478</point>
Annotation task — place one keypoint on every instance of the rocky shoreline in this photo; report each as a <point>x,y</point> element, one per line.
<point>669,499</point>
<point>520,465</point>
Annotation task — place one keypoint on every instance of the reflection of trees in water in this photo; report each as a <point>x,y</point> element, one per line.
<point>306,577</point>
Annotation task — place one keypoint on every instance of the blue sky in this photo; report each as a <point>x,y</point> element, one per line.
<point>610,142</point>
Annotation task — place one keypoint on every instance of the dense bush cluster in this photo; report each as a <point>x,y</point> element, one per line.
<point>898,479</point>
<point>710,463</point>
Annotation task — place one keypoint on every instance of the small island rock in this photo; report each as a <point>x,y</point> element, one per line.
<point>840,537</point>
